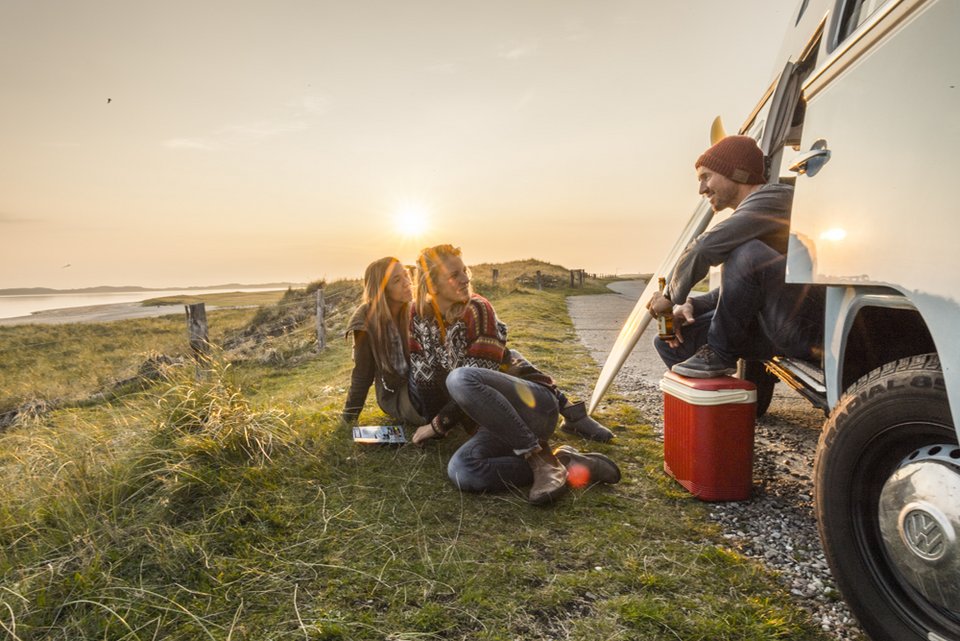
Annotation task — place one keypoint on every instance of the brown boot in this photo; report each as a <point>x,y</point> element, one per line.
<point>577,421</point>
<point>591,467</point>
<point>549,476</point>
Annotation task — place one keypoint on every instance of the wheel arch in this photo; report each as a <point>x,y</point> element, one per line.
<point>867,327</point>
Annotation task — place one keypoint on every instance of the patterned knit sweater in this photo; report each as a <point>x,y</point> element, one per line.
<point>478,339</point>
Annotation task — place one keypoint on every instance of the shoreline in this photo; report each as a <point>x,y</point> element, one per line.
<point>103,313</point>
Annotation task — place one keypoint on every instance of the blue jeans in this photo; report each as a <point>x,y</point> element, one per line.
<point>758,315</point>
<point>513,416</point>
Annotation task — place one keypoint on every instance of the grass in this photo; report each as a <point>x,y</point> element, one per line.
<point>223,299</point>
<point>66,364</point>
<point>72,361</point>
<point>234,506</point>
<point>554,278</point>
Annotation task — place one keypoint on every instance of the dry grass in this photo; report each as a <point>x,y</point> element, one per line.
<point>224,299</point>
<point>234,506</point>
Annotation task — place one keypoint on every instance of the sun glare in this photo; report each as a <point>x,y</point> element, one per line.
<point>836,234</point>
<point>411,220</point>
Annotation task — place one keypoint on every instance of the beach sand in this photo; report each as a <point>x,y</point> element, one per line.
<point>95,314</point>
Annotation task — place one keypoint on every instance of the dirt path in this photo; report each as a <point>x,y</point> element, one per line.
<point>777,525</point>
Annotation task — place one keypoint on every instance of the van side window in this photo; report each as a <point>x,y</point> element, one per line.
<point>855,13</point>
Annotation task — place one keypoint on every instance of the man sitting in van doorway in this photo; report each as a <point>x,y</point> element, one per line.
<point>754,314</point>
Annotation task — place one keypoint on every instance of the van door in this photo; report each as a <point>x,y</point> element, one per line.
<point>779,118</point>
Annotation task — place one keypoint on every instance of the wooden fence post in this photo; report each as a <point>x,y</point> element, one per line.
<point>321,325</point>
<point>496,276</point>
<point>581,271</point>
<point>197,332</point>
<point>539,280</point>
<point>572,271</point>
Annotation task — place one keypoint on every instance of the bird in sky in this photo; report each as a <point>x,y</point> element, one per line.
<point>65,266</point>
<point>109,100</point>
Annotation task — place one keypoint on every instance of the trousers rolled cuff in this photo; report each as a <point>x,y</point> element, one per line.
<point>530,450</point>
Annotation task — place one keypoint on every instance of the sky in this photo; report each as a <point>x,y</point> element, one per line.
<point>183,143</point>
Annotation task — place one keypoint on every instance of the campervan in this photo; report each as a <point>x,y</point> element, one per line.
<point>863,117</point>
<point>866,116</point>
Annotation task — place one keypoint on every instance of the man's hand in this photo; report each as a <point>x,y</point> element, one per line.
<point>682,315</point>
<point>659,304</point>
<point>423,434</point>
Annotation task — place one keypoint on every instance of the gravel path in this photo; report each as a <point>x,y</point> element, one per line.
<point>777,525</point>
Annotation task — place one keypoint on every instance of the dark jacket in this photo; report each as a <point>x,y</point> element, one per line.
<point>763,215</point>
<point>390,388</point>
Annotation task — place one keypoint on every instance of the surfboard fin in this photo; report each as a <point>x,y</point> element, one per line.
<point>716,131</point>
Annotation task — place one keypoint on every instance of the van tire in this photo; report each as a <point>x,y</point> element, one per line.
<point>880,420</point>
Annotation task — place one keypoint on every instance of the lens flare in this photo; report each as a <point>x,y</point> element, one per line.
<point>578,475</point>
<point>836,234</point>
<point>526,396</point>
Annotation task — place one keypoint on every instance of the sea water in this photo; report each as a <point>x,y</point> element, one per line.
<point>15,306</point>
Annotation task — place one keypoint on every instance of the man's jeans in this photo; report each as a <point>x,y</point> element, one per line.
<point>513,415</point>
<point>758,315</point>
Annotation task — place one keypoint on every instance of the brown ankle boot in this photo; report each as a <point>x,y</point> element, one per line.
<point>577,421</point>
<point>593,466</point>
<point>549,476</point>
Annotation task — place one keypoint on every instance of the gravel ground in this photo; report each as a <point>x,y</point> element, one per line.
<point>777,525</point>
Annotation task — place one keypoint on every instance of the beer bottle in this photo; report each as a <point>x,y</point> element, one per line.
<point>665,320</point>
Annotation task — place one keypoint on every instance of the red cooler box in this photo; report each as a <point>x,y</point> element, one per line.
<point>708,435</point>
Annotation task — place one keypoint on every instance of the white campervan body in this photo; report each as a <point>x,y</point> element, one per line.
<point>865,117</point>
<point>864,120</point>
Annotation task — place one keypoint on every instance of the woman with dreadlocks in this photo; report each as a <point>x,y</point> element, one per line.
<point>380,352</point>
<point>458,355</point>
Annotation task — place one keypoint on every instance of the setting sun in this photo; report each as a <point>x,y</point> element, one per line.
<point>411,220</point>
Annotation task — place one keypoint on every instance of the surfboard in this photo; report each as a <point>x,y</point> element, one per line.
<point>639,318</point>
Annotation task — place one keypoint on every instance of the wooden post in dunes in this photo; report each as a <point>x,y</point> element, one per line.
<point>321,324</point>
<point>539,280</point>
<point>198,334</point>
<point>496,276</point>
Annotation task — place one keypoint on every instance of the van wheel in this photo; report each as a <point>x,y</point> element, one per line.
<point>887,475</point>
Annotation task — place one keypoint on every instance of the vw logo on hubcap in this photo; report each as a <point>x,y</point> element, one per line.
<point>924,535</point>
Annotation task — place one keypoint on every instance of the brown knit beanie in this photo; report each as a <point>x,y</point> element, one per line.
<point>736,157</point>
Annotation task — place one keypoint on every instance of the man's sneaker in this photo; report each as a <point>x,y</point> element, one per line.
<point>704,364</point>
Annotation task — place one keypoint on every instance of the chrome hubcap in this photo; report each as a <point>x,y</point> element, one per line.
<point>920,520</point>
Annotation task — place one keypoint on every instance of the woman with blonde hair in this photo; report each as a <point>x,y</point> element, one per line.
<point>380,328</point>
<point>457,356</point>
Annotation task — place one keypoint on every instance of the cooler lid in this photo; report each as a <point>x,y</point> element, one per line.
<point>721,390</point>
